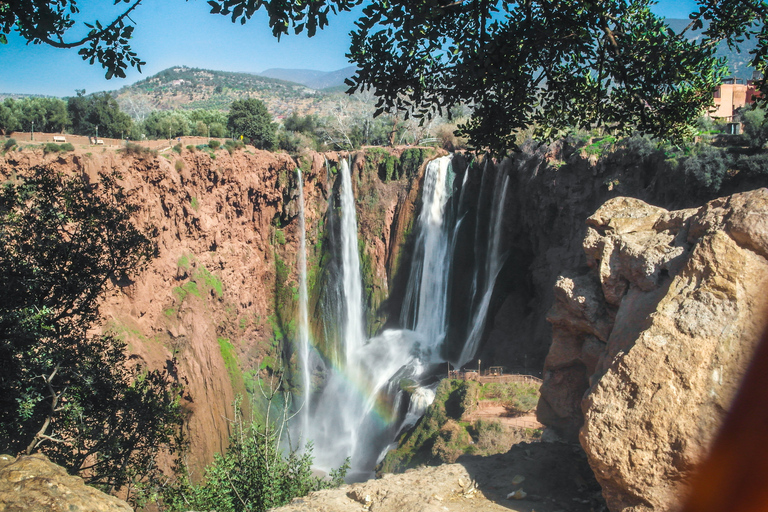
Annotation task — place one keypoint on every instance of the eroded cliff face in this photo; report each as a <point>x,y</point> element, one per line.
<point>218,298</point>
<point>650,342</point>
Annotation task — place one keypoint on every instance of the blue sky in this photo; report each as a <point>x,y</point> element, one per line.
<point>180,32</point>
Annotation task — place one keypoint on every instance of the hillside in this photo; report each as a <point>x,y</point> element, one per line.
<point>189,88</point>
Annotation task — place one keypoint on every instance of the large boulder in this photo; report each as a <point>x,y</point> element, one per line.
<point>32,483</point>
<point>650,343</point>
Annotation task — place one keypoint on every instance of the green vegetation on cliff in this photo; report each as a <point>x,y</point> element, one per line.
<point>449,427</point>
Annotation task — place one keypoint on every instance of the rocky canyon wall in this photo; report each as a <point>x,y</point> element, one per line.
<point>219,298</point>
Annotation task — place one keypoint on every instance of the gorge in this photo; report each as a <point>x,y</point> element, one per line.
<point>359,276</point>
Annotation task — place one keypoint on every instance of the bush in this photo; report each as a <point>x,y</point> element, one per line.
<point>753,165</point>
<point>235,144</point>
<point>214,144</point>
<point>191,148</point>
<point>705,168</point>
<point>177,148</point>
<point>52,147</point>
<point>179,165</point>
<point>383,162</point>
<point>254,475</point>
<point>411,160</point>
<point>492,437</point>
<point>451,442</point>
<point>9,144</point>
<point>137,150</point>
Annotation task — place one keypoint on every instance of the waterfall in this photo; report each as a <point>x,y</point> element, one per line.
<point>357,413</point>
<point>354,332</point>
<point>303,315</point>
<point>487,269</point>
<point>338,414</point>
<point>371,388</point>
<point>426,297</point>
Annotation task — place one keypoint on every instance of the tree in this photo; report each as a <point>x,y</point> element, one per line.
<point>42,114</point>
<point>64,391</point>
<point>49,21</point>
<point>250,119</point>
<point>98,114</point>
<point>9,116</point>
<point>47,114</point>
<point>755,127</point>
<point>553,64</point>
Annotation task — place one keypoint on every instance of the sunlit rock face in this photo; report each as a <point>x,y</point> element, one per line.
<point>32,482</point>
<point>649,345</point>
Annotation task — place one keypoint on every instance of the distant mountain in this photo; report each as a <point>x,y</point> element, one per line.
<point>311,78</point>
<point>189,88</point>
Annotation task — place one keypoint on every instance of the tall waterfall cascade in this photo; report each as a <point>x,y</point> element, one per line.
<point>303,331</point>
<point>487,269</point>
<point>373,388</point>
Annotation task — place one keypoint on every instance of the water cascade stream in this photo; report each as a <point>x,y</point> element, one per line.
<point>487,268</point>
<point>304,342</point>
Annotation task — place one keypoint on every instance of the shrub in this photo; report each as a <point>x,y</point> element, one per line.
<point>236,144</point>
<point>492,437</point>
<point>411,160</point>
<point>137,150</point>
<point>9,144</point>
<point>177,148</point>
<point>191,148</point>
<point>600,146</point>
<point>451,442</point>
<point>706,168</point>
<point>753,165</point>
<point>254,475</point>
<point>51,147</point>
<point>179,165</point>
<point>66,147</point>
<point>383,162</point>
<point>214,144</point>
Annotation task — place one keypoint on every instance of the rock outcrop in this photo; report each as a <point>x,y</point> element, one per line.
<point>31,483</point>
<point>545,477</point>
<point>650,343</point>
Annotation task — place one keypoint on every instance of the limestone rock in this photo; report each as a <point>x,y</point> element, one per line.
<point>32,483</point>
<point>649,345</point>
<point>556,476</point>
